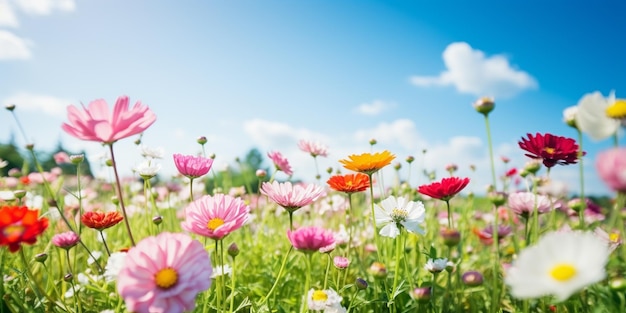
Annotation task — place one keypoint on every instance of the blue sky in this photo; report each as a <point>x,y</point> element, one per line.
<point>266,74</point>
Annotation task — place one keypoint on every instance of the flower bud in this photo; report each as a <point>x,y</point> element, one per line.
<point>41,257</point>
<point>618,284</point>
<point>157,220</point>
<point>68,277</point>
<point>77,158</point>
<point>19,193</point>
<point>109,162</point>
<point>329,170</point>
<point>233,250</point>
<point>373,141</point>
<point>10,107</point>
<point>360,283</point>
<point>410,159</point>
<point>422,294</point>
<point>451,237</point>
<point>484,105</point>
<point>212,156</point>
<point>115,200</point>
<point>397,166</point>
<point>533,166</point>
<point>341,262</point>
<point>30,147</point>
<point>261,173</point>
<point>472,278</point>
<point>202,140</point>
<point>378,270</point>
<point>497,198</point>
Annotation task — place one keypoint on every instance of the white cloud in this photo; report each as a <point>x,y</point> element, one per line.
<point>373,108</point>
<point>13,47</point>
<point>401,132</point>
<point>45,7</point>
<point>471,71</point>
<point>7,15</point>
<point>50,105</point>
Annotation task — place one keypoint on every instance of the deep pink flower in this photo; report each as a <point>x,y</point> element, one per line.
<point>97,123</point>
<point>311,239</point>
<point>192,166</point>
<point>551,149</point>
<point>65,240</point>
<point>445,189</point>
<point>215,216</point>
<point>313,148</point>
<point>523,203</point>
<point>164,273</point>
<point>611,166</point>
<point>291,197</point>
<point>281,163</point>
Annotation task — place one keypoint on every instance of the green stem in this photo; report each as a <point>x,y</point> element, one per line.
<point>396,274</point>
<point>373,215</point>
<point>218,281</point>
<point>449,214</point>
<point>493,167</point>
<point>495,292</point>
<point>307,283</point>
<point>280,272</point>
<point>232,286</point>
<point>327,270</point>
<point>121,196</point>
<point>581,213</point>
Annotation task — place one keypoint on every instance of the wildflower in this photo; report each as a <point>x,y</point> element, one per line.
<point>368,163</point>
<point>436,265</point>
<point>164,273</point>
<point>393,213</point>
<point>569,116</point>
<point>617,110</point>
<point>451,237</point>
<point>560,264</point>
<point>192,166</point>
<point>523,203</point>
<point>114,265</point>
<point>445,189</point>
<point>291,197</point>
<point>349,183</point>
<point>484,105</point>
<point>325,300</point>
<point>61,157</point>
<point>611,166</point>
<point>221,270</point>
<point>311,239</point>
<point>151,153</point>
<point>65,240</point>
<point>18,225</point>
<point>360,283</point>
<point>280,162</point>
<point>260,173</point>
<point>147,169</point>
<point>314,148</point>
<point>592,118</point>
<point>472,278</point>
<point>101,220</point>
<point>233,250</point>
<point>551,149</point>
<point>341,262</point>
<point>378,270</point>
<point>215,216</point>
<point>96,123</point>
<point>422,294</point>
<point>486,235</point>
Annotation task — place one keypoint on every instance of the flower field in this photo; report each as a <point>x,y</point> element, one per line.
<point>346,241</point>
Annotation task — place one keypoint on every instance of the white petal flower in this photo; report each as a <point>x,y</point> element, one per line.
<point>325,300</point>
<point>395,212</point>
<point>114,265</point>
<point>560,264</point>
<point>151,153</point>
<point>147,168</point>
<point>221,270</point>
<point>436,265</point>
<point>591,116</point>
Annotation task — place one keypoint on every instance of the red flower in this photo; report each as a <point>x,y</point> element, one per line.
<point>511,172</point>
<point>552,149</point>
<point>349,183</point>
<point>20,225</point>
<point>101,220</point>
<point>444,190</point>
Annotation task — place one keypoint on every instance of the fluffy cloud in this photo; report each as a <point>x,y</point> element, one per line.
<point>373,108</point>
<point>39,103</point>
<point>45,7</point>
<point>13,47</point>
<point>471,71</point>
<point>7,15</point>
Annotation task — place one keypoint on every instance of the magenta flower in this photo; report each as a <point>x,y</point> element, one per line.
<point>281,163</point>
<point>97,123</point>
<point>523,203</point>
<point>192,166</point>
<point>291,197</point>
<point>215,216</point>
<point>164,273</point>
<point>313,148</point>
<point>65,240</point>
<point>311,239</point>
<point>611,166</point>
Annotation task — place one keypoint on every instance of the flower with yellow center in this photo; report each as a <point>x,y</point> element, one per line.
<point>617,110</point>
<point>214,223</point>
<point>368,163</point>
<point>166,278</point>
<point>560,264</point>
<point>394,213</point>
<point>324,300</point>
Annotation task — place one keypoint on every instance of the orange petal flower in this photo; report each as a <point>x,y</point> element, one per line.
<point>101,220</point>
<point>20,225</point>
<point>349,183</point>
<point>368,163</point>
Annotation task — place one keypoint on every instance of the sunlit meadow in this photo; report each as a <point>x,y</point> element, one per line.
<point>346,240</point>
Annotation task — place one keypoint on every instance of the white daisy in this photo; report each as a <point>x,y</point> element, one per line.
<point>395,212</point>
<point>327,301</point>
<point>436,265</point>
<point>560,264</point>
<point>221,270</point>
<point>591,117</point>
<point>114,265</point>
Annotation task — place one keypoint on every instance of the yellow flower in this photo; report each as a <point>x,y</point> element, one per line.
<point>617,110</point>
<point>368,163</point>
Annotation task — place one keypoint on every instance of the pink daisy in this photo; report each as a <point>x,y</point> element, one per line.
<point>65,240</point>
<point>281,163</point>
<point>215,216</point>
<point>523,203</point>
<point>314,148</point>
<point>291,197</point>
<point>164,273</point>
<point>311,239</point>
<point>192,166</point>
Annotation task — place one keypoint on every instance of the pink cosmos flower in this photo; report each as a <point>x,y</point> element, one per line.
<point>97,123</point>
<point>164,273</point>
<point>523,203</point>
<point>291,197</point>
<point>314,148</point>
<point>311,239</point>
<point>281,163</point>
<point>611,166</point>
<point>215,216</point>
<point>192,166</point>
<point>61,157</point>
<point>65,240</point>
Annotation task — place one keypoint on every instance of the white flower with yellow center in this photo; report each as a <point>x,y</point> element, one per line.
<point>393,213</point>
<point>592,118</point>
<point>328,301</point>
<point>560,264</point>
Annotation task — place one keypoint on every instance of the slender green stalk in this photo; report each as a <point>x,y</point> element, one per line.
<point>449,214</point>
<point>218,281</point>
<point>232,285</point>
<point>399,254</point>
<point>581,212</point>
<point>222,264</point>
<point>327,269</point>
<point>280,272</point>
<point>104,241</point>
<point>495,291</point>
<point>373,215</point>
<point>493,167</point>
<point>120,195</point>
<point>307,283</point>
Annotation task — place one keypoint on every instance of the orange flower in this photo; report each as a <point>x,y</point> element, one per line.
<point>368,163</point>
<point>101,220</point>
<point>349,183</point>
<point>20,225</point>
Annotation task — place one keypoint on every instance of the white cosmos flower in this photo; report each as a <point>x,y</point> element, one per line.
<point>325,300</point>
<point>394,212</point>
<point>436,265</point>
<point>151,153</point>
<point>569,115</point>
<point>147,168</point>
<point>591,116</point>
<point>559,264</point>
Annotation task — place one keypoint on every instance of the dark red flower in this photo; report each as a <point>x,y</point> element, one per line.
<point>20,225</point>
<point>552,149</point>
<point>444,190</point>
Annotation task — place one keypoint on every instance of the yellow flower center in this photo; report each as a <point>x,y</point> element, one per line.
<point>214,223</point>
<point>399,215</point>
<point>13,230</point>
<point>563,272</point>
<point>614,237</point>
<point>349,183</point>
<point>166,278</point>
<point>319,295</point>
<point>549,150</point>
<point>617,110</point>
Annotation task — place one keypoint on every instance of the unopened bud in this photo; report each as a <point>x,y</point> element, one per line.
<point>233,250</point>
<point>484,105</point>
<point>68,277</point>
<point>373,141</point>
<point>451,237</point>
<point>19,193</point>
<point>41,257</point>
<point>77,158</point>
<point>109,162</point>
<point>202,140</point>
<point>115,200</point>
<point>10,107</point>
<point>410,159</point>
<point>261,173</point>
<point>360,283</point>
<point>378,270</point>
<point>157,220</point>
<point>472,278</point>
<point>422,294</point>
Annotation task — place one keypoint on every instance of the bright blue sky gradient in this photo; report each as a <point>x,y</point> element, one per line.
<point>267,73</point>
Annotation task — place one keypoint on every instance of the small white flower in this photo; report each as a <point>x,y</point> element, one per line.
<point>569,115</point>
<point>147,169</point>
<point>324,300</point>
<point>3,163</point>
<point>96,255</point>
<point>151,153</point>
<point>114,265</point>
<point>559,264</point>
<point>394,212</point>
<point>221,270</point>
<point>436,265</point>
